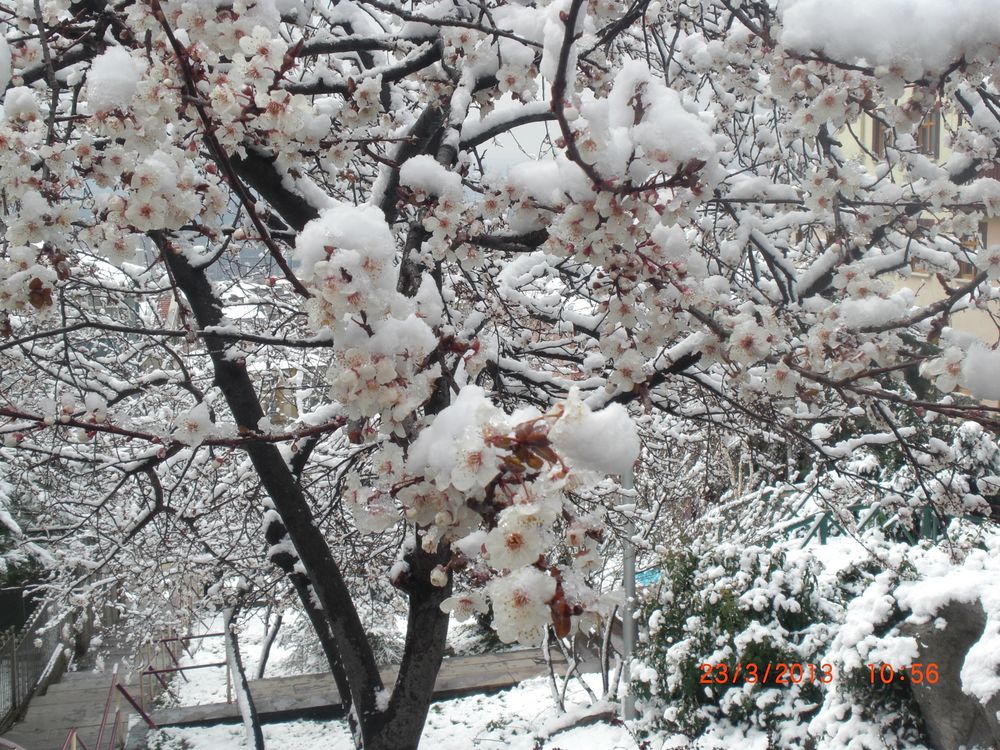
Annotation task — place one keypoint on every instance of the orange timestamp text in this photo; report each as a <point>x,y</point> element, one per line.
<point>779,673</point>
<point>917,673</point>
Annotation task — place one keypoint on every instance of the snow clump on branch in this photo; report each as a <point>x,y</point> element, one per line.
<point>383,338</point>
<point>474,463</point>
<point>113,80</point>
<point>913,36</point>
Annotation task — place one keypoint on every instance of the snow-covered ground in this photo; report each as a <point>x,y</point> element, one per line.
<point>289,655</point>
<point>513,718</point>
<point>208,684</point>
<point>510,719</point>
<point>525,717</point>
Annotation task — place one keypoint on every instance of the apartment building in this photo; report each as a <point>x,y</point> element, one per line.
<point>931,140</point>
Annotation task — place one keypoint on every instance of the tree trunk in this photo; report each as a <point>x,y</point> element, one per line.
<point>399,727</point>
<point>324,574</point>
<point>265,652</point>
<point>378,722</point>
<point>275,533</point>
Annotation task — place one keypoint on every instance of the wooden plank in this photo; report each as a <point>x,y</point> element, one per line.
<point>296,681</point>
<point>67,716</point>
<point>456,684</point>
<point>208,713</point>
<point>284,697</point>
<point>53,738</point>
<point>65,691</point>
<point>270,692</point>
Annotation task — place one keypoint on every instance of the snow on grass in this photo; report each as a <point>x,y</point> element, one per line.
<point>208,684</point>
<point>510,719</point>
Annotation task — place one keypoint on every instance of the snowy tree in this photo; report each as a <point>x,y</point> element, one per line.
<point>210,207</point>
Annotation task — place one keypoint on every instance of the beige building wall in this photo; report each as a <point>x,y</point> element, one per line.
<point>982,323</point>
<point>979,323</point>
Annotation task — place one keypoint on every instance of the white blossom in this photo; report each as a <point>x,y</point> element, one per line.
<point>520,605</point>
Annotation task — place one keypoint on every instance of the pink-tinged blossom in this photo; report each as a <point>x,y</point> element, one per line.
<point>988,259</point>
<point>439,576</point>
<point>946,370</point>
<point>476,466</point>
<point>749,343</point>
<point>520,605</point>
<point>464,605</point>
<point>521,536</point>
<point>194,425</point>
<point>373,509</point>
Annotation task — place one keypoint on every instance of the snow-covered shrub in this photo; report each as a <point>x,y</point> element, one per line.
<point>18,566</point>
<point>733,606</point>
<point>879,625</point>
<point>728,604</point>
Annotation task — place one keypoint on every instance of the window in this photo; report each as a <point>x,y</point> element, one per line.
<point>881,137</point>
<point>971,244</point>
<point>928,136</point>
<point>926,227</point>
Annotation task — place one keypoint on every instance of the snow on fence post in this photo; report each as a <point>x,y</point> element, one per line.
<point>628,619</point>
<point>234,666</point>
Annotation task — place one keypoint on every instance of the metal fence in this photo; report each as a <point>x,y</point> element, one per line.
<point>26,659</point>
<point>17,604</point>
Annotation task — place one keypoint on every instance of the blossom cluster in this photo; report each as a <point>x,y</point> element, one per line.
<point>493,486</point>
<point>384,340</point>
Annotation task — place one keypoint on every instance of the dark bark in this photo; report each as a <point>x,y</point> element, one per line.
<point>409,65</point>
<point>402,723</point>
<point>335,621</point>
<point>275,533</point>
<point>259,173</point>
<point>410,270</point>
<point>424,138</point>
<point>322,570</point>
<point>426,634</point>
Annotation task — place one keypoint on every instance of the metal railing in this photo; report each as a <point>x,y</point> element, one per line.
<point>36,655</point>
<point>151,675</point>
<point>113,729</point>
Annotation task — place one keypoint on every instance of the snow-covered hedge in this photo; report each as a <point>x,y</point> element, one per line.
<point>728,604</point>
<point>847,604</point>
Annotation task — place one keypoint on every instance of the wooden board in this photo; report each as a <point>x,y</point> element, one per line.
<point>316,694</point>
<point>79,700</point>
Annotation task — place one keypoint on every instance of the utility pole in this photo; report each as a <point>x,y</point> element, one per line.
<point>628,621</point>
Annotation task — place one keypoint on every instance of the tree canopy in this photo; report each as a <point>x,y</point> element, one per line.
<point>384,292</point>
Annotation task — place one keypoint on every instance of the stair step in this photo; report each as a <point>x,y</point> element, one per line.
<point>63,692</point>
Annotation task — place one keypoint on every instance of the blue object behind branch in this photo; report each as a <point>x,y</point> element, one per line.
<point>648,577</point>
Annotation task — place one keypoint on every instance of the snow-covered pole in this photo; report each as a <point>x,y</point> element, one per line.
<point>628,620</point>
<point>234,666</point>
